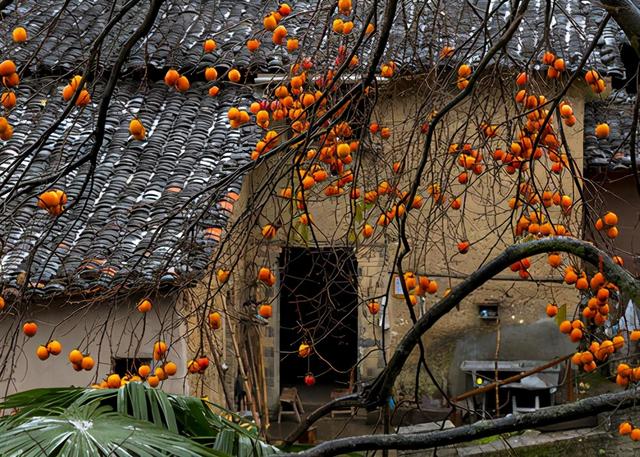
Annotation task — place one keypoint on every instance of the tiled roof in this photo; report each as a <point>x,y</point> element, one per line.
<point>146,217</point>
<point>460,23</point>
<point>176,186</point>
<point>611,152</point>
<point>418,34</point>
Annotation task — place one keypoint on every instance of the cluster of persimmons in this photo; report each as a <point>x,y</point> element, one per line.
<point>324,169</point>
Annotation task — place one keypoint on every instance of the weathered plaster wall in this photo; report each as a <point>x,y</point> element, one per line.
<point>433,234</point>
<point>101,330</point>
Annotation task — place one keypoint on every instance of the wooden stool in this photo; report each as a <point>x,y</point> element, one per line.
<point>289,397</point>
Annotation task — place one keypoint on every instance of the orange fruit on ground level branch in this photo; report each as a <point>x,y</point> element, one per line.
<point>575,335</point>
<point>159,348</point>
<point>367,231</point>
<point>565,327</point>
<point>30,328</point>
<point>586,357</point>
<point>193,367</point>
<point>374,307</point>
<point>203,363</point>
<point>153,381</point>
<point>463,247</point>
<point>87,363</point>
<point>159,372</point>
<point>170,368</point>
<point>113,381</point>
<point>552,310</point>
<point>42,353</point>
<point>75,356</point>
<point>554,259</point>
<point>144,370</point>
<point>215,320</point>
<point>54,347</point>
<point>625,428</point>
<point>618,342</point>
<point>576,359</point>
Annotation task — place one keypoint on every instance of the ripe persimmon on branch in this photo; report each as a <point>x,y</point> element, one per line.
<point>160,185</point>
<point>482,429</point>
<point>377,392</point>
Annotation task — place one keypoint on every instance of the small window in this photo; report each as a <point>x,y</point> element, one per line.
<point>488,311</point>
<point>124,365</point>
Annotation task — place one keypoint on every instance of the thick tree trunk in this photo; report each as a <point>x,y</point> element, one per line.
<point>627,16</point>
<point>377,393</point>
<point>379,390</point>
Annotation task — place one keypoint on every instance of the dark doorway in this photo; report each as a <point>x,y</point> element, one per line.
<point>318,305</point>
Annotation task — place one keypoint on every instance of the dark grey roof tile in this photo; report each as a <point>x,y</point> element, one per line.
<point>612,152</point>
<point>131,222</point>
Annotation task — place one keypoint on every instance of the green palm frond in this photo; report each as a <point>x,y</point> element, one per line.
<point>187,416</point>
<point>93,430</point>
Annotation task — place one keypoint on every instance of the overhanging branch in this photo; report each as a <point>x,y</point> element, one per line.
<point>627,16</point>
<point>481,429</point>
<point>380,389</point>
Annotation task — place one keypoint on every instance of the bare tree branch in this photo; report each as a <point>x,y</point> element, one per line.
<point>380,389</point>
<point>627,15</point>
<point>481,429</point>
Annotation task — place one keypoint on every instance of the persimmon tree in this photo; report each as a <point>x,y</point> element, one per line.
<point>327,136</point>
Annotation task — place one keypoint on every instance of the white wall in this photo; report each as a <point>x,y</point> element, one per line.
<point>113,328</point>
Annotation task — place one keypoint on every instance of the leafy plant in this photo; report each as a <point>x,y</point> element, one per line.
<point>134,420</point>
